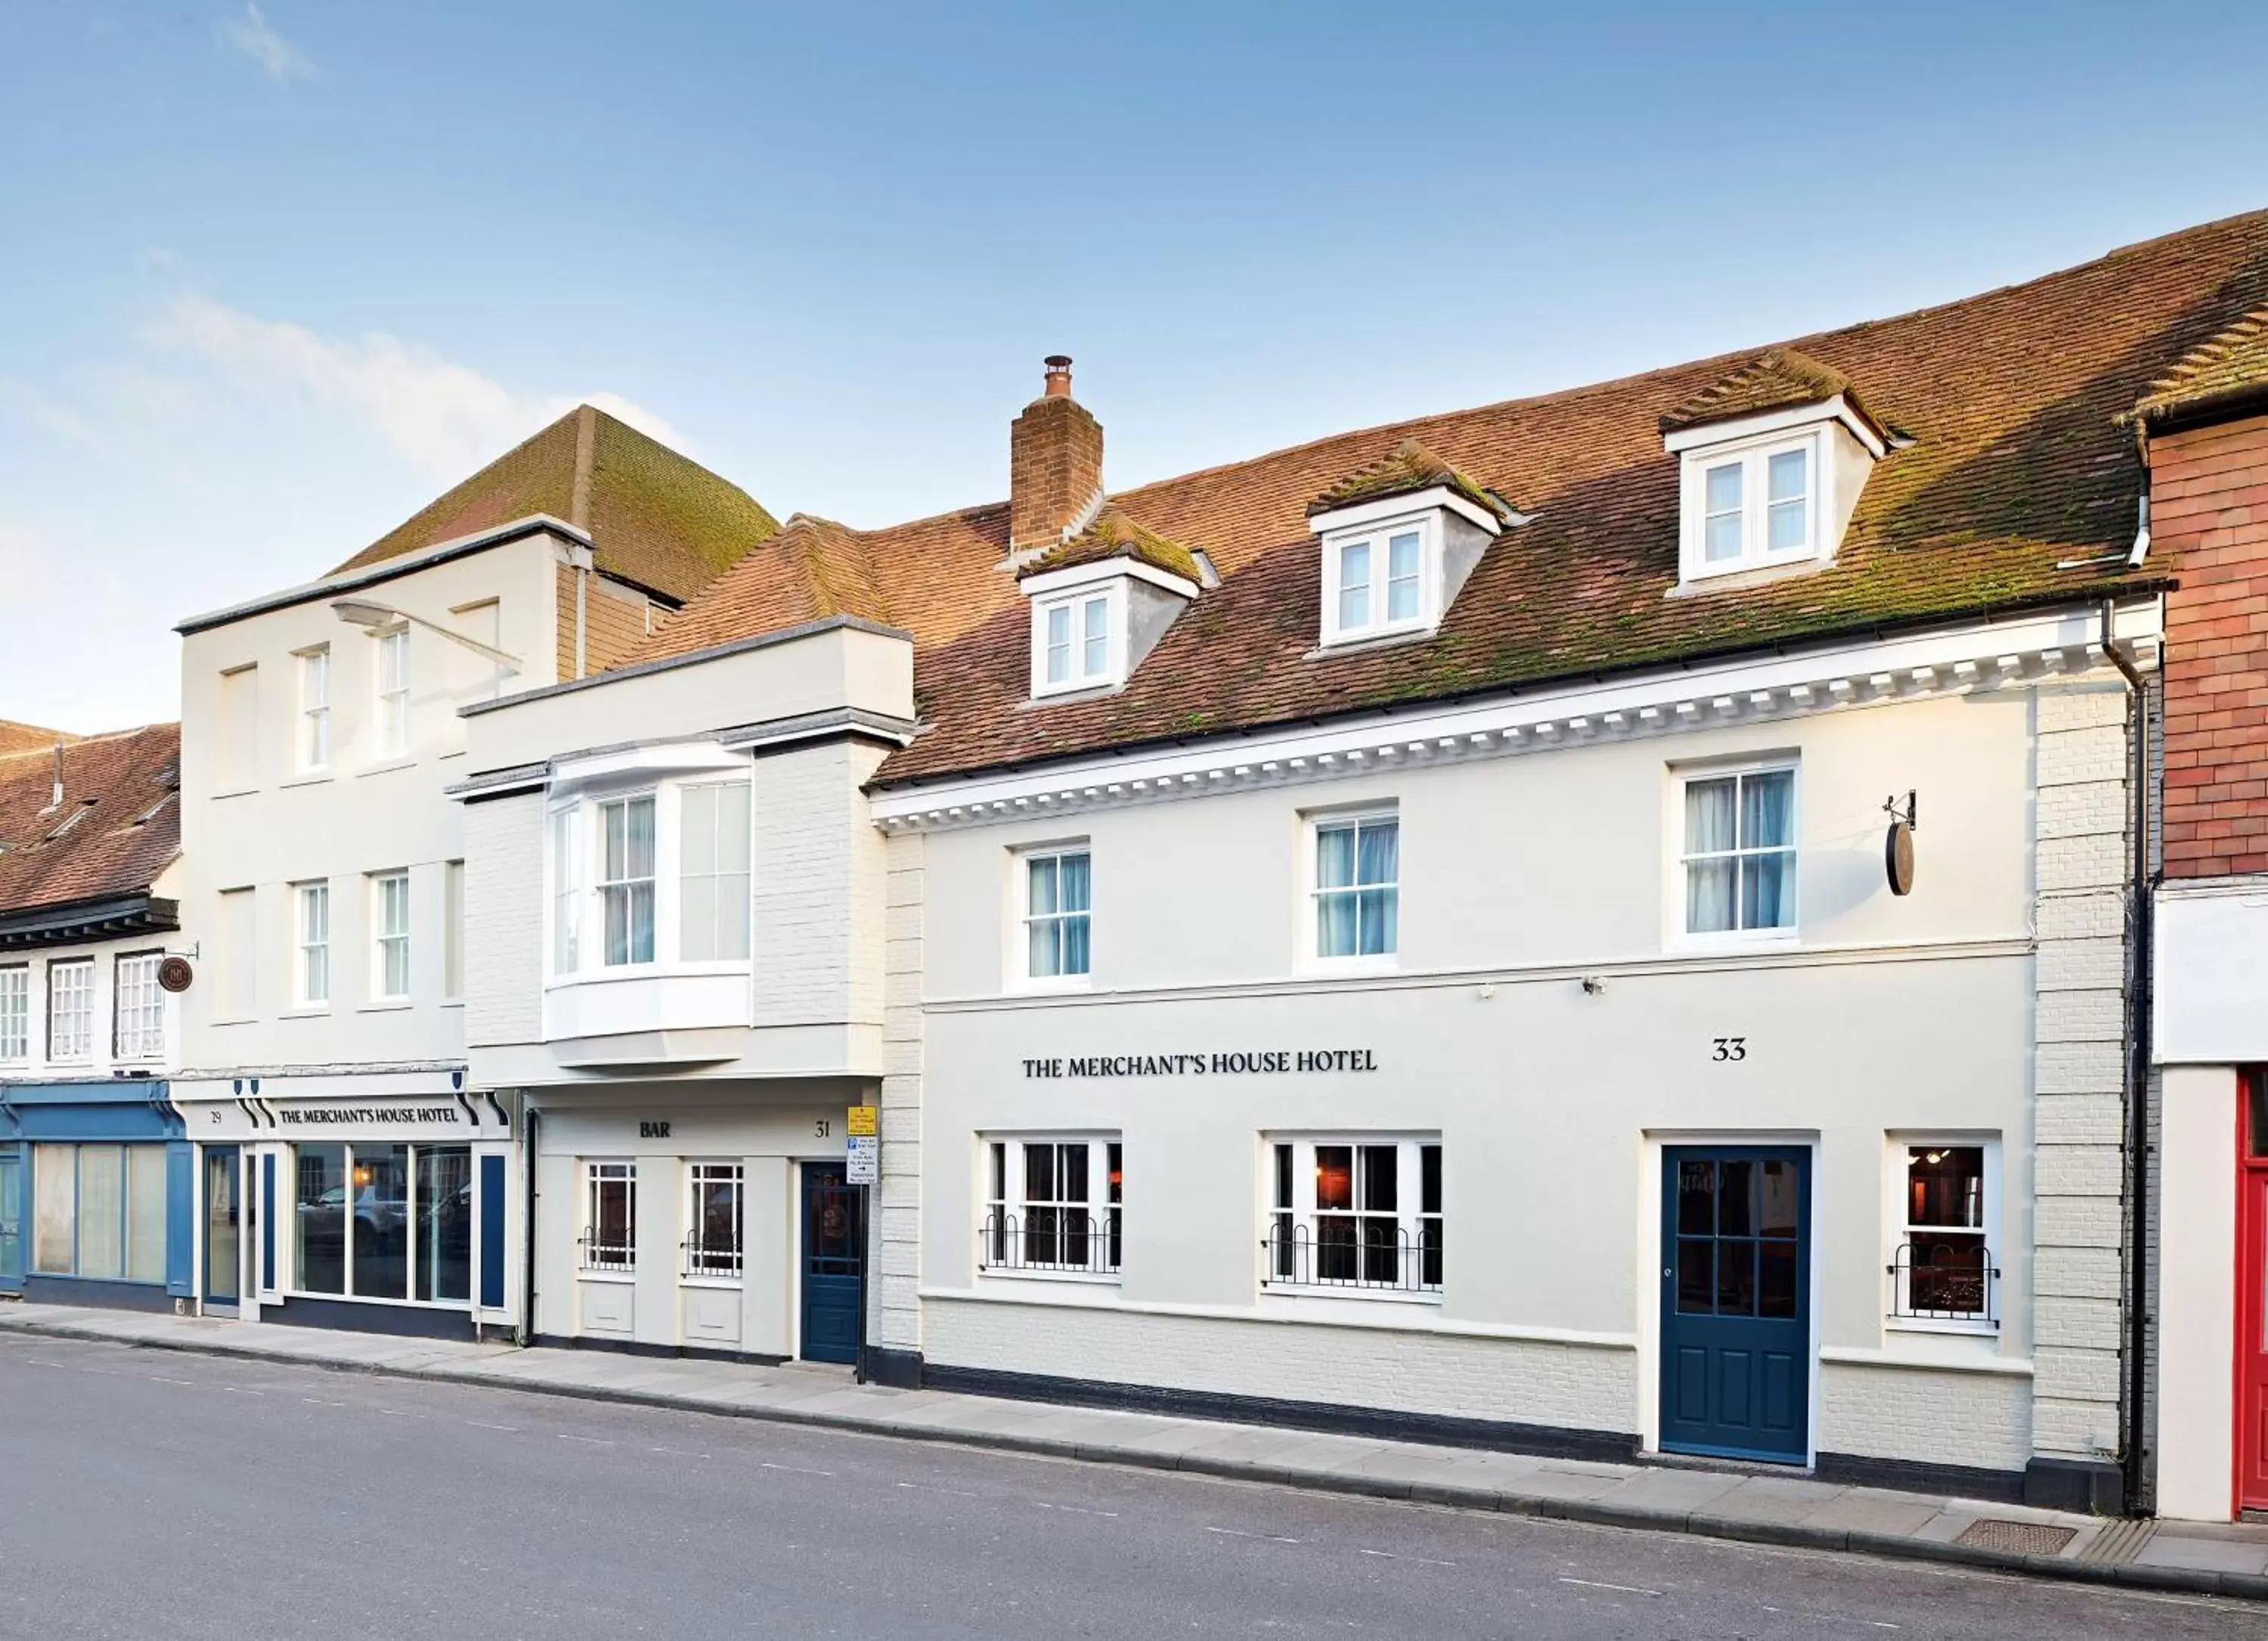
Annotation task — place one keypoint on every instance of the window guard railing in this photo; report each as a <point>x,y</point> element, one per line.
<point>593,1255</point>
<point>695,1260</point>
<point>1350,1254</point>
<point>1049,1240</point>
<point>1950,1281</point>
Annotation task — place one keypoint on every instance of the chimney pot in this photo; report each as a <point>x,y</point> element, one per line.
<point>1058,376</point>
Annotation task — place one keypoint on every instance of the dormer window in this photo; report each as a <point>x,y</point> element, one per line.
<point>1100,600</point>
<point>1399,537</point>
<point>1773,459</point>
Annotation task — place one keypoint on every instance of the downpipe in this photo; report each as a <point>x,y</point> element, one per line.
<point>2139,926</point>
<point>530,1125</point>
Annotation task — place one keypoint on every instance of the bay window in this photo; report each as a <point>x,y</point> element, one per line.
<point>1054,1206</point>
<point>1360,1213</point>
<point>71,1010</point>
<point>626,880</point>
<point>712,866</point>
<point>1738,851</point>
<point>566,891</point>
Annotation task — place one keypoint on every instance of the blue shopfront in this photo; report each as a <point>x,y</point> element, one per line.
<point>96,1195</point>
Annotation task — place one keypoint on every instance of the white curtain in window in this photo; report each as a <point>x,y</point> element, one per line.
<point>145,1213</point>
<point>1768,825</point>
<point>1710,811</point>
<point>101,1211</point>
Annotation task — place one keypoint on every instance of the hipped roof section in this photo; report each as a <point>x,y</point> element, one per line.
<point>1407,469</point>
<point>2228,372</point>
<point>1116,535</point>
<point>117,846</point>
<point>1782,378</point>
<point>656,519</point>
<point>2018,487</point>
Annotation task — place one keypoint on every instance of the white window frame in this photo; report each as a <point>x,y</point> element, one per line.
<point>310,943</point>
<point>1752,456</point>
<point>683,874</point>
<point>314,749</point>
<point>1004,1238</point>
<point>70,1011</point>
<point>390,689</point>
<point>705,1266</point>
<point>1026,919</point>
<point>389,934</point>
<point>592,1257</point>
<point>1378,537</point>
<point>1291,1259</point>
<point>138,1007</point>
<point>1677,932</point>
<point>15,1013</point>
<point>452,931</point>
<point>628,887</point>
<point>569,849</point>
<point>1902,1228</point>
<point>1311,947</point>
<point>1076,602</point>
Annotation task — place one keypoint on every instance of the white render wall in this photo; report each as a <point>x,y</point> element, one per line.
<point>2196,1309</point>
<point>1891,1018</point>
<point>35,1066</point>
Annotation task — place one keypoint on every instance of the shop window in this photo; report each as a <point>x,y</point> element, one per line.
<point>99,1212</point>
<point>360,1234</point>
<point>608,1241</point>
<point>16,1012</point>
<point>137,1026</point>
<point>712,1244</point>
<point>1361,1214</point>
<point>1054,1206</point>
<point>1943,1272</point>
<point>71,1010</point>
<point>712,911</point>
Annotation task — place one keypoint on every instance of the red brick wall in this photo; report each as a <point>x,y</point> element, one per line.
<point>2209,521</point>
<point>1055,467</point>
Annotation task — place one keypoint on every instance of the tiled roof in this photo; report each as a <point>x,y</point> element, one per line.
<point>15,737</point>
<point>2233,365</point>
<point>655,517</point>
<point>116,846</point>
<point>811,569</point>
<point>2017,466</point>
<point>1113,535</point>
<point>1403,471</point>
<point>1779,379</point>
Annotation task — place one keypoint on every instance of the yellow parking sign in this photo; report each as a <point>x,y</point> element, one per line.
<point>861,1121</point>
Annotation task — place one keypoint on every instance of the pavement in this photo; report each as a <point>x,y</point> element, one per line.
<point>1772,1509</point>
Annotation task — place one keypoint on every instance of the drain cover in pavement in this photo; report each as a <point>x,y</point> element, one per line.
<point>2020,1538</point>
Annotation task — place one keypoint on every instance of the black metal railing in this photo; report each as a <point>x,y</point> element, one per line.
<point>1351,1251</point>
<point>696,1259</point>
<point>593,1254</point>
<point>1945,1279</point>
<point>1050,1240</point>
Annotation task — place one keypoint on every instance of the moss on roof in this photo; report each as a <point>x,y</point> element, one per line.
<point>1408,467</point>
<point>655,517</point>
<point>1777,379</point>
<point>1113,535</point>
<point>2233,365</point>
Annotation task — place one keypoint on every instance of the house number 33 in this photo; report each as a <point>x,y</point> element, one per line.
<point>1728,1048</point>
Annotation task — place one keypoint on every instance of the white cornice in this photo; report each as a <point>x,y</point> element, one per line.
<point>1947,662</point>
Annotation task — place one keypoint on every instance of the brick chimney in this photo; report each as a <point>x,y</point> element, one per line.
<point>1055,463</point>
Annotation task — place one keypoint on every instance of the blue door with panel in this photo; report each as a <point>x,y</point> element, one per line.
<point>1736,1301</point>
<point>834,1246</point>
<point>11,1221</point>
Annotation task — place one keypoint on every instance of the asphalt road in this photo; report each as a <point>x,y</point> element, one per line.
<point>150,1494</point>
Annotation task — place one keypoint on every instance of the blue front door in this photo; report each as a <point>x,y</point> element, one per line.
<point>11,1221</point>
<point>833,1247</point>
<point>1736,1301</point>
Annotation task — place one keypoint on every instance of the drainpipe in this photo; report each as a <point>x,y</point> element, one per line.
<point>2137,1075</point>
<point>531,1124</point>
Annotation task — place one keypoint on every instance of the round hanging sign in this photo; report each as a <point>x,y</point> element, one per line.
<point>1897,857</point>
<point>174,975</point>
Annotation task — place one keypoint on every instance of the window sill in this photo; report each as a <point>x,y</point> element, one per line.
<point>1089,691</point>
<point>1085,1279</point>
<point>452,1002</point>
<point>1732,940</point>
<point>1740,577</point>
<point>728,1284</point>
<point>311,777</point>
<point>1053,984</point>
<point>388,767</point>
<point>1335,968</point>
<point>306,1011</point>
<point>237,1019</point>
<point>1355,644</point>
<point>733,968</point>
<point>234,792</point>
<point>1366,1295</point>
<point>385,1005</point>
<point>1941,1328</point>
<point>623,1277</point>
<point>365,1298</point>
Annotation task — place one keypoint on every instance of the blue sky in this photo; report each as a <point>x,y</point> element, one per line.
<point>272,276</point>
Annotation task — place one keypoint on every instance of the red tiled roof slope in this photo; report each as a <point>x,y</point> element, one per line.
<point>15,737</point>
<point>2018,464</point>
<point>656,518</point>
<point>2232,365</point>
<point>1113,535</point>
<point>1403,471</point>
<point>1779,380</point>
<point>116,780</point>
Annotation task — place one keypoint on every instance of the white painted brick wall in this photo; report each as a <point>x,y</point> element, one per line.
<point>1978,1420</point>
<point>504,922</point>
<point>1519,1381</point>
<point>818,889</point>
<point>2077,1168</point>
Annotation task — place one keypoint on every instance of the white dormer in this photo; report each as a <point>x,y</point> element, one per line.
<point>1398,541</point>
<point>1772,460</point>
<point>1101,602</point>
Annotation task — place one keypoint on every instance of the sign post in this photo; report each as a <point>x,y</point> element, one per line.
<point>862,1168</point>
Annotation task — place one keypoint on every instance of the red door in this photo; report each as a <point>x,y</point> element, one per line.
<point>2252,1293</point>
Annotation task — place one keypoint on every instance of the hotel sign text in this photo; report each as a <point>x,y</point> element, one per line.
<point>1257,1062</point>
